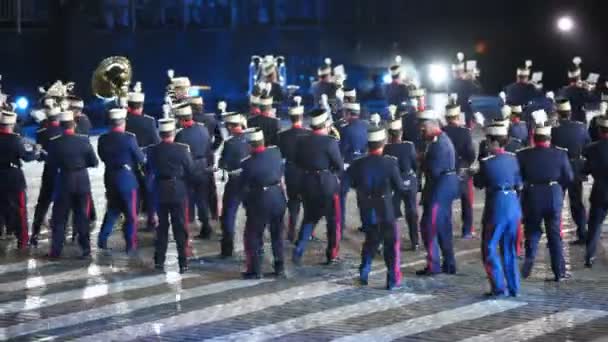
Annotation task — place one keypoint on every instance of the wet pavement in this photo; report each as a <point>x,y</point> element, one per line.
<point>116,297</point>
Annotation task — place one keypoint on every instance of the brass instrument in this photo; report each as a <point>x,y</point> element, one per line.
<point>112,77</point>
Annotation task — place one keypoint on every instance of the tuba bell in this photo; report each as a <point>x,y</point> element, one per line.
<point>112,77</point>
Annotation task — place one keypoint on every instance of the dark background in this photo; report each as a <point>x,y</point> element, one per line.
<point>63,39</point>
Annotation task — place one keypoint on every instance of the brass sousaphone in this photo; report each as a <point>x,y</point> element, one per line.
<point>112,77</point>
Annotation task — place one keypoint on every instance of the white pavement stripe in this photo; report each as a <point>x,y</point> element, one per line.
<point>541,326</point>
<point>218,312</point>
<point>431,322</point>
<point>29,264</point>
<point>123,308</point>
<point>33,281</point>
<point>90,292</point>
<point>322,318</point>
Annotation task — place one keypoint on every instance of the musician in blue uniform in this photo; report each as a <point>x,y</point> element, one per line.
<point>214,127</point>
<point>462,141</point>
<point>196,137</point>
<point>235,149</point>
<point>69,155</point>
<point>544,170</point>
<point>264,202</point>
<point>499,175</point>
<point>441,188</point>
<point>376,178</point>
<point>83,123</point>
<point>521,92</point>
<point>318,156</point>
<point>353,145</point>
<point>573,136</point>
<point>13,199</point>
<point>596,164</point>
<point>144,128</point>
<point>593,129</point>
<point>396,92</point>
<point>405,152</point>
<point>464,88</point>
<point>518,128</point>
<point>50,129</point>
<point>324,85</point>
<point>119,151</point>
<point>512,145</point>
<point>288,140</point>
<point>576,93</point>
<point>266,121</point>
<point>171,164</point>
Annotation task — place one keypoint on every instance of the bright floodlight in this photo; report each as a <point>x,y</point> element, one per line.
<point>438,73</point>
<point>565,24</point>
<point>387,78</point>
<point>22,103</point>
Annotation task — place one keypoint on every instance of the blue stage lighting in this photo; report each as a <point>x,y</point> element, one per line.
<point>22,103</point>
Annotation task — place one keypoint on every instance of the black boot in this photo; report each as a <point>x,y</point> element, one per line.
<point>227,247</point>
<point>279,269</point>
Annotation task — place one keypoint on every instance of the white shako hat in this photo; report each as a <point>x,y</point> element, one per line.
<point>428,114</point>
<point>352,106</point>
<point>181,82</point>
<point>563,105</point>
<point>516,109</point>
<point>497,130</point>
<point>543,130</point>
<point>376,134</point>
<point>136,97</point>
<point>254,134</point>
<point>117,114</point>
<point>8,118</point>
<point>418,92</point>
<point>350,92</point>
<point>166,125</point>
<point>265,101</point>
<point>395,125</point>
<point>602,121</point>
<point>319,117</point>
<point>196,100</point>
<point>76,102</point>
<point>66,116</point>
<point>452,110</point>
<point>182,111</point>
<point>297,108</point>
<point>53,112</point>
<point>233,118</point>
<point>525,71</point>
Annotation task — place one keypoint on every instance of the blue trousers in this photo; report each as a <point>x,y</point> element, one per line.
<point>577,208</point>
<point>543,204</point>
<point>294,198</point>
<point>436,225</point>
<point>501,231</point>
<point>597,214</point>
<point>411,209</point>
<point>198,198</point>
<point>230,205</point>
<point>466,203</point>
<point>173,214</point>
<point>80,204</point>
<point>315,208</point>
<point>254,241</point>
<point>386,233</point>
<point>13,213</point>
<point>125,203</point>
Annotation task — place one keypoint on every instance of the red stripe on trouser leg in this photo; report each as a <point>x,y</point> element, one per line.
<point>23,234</point>
<point>431,236</point>
<point>88,207</point>
<point>471,199</point>
<point>520,237</point>
<point>487,236</point>
<point>397,252</point>
<point>134,218</point>
<point>338,234</point>
<point>186,228</point>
